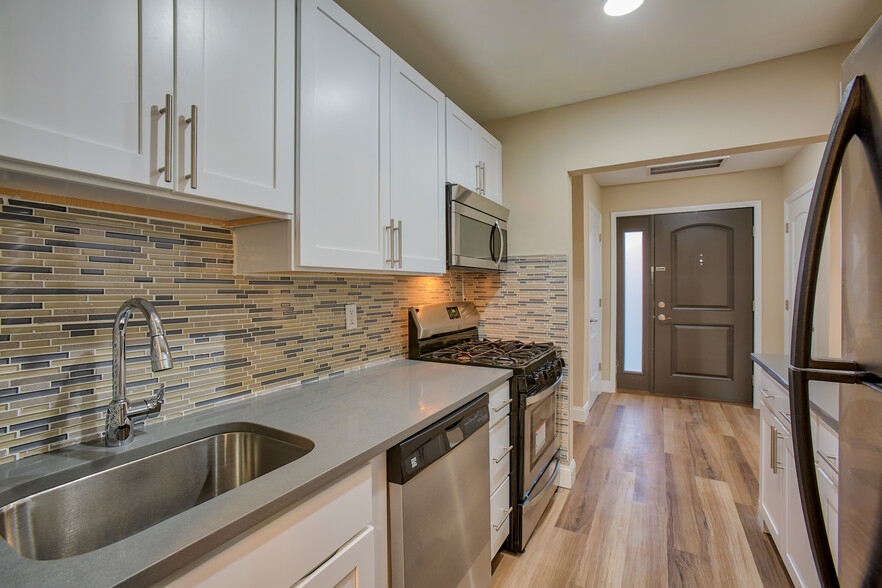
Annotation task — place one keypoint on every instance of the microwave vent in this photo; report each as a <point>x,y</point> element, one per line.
<point>686,166</point>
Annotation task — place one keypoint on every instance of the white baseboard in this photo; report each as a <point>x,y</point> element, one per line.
<point>567,473</point>
<point>607,386</point>
<point>580,413</point>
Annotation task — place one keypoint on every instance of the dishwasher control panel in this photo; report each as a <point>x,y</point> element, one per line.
<point>411,456</point>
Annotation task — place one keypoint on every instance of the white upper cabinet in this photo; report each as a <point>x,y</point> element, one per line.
<point>108,88</point>
<point>474,156</point>
<point>235,101</point>
<point>343,179</point>
<point>417,189</point>
<point>82,83</point>
<point>490,159</point>
<point>462,143</point>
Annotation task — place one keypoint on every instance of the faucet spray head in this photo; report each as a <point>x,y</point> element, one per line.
<point>160,356</point>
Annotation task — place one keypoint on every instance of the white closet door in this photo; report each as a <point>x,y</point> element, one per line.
<point>343,185</point>
<point>81,83</point>
<point>418,188</point>
<point>236,66</point>
<point>462,156</point>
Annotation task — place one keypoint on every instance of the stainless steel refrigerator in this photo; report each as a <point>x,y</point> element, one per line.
<point>855,147</point>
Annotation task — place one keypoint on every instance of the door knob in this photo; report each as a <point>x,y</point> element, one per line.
<point>662,318</point>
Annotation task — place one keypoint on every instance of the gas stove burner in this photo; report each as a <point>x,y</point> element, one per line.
<point>497,353</point>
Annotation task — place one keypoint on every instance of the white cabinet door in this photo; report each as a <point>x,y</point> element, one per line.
<point>82,82</point>
<point>829,490</point>
<point>462,156</point>
<point>343,181</point>
<point>773,507</point>
<point>418,155</point>
<point>799,552</point>
<point>235,101</point>
<point>351,567</point>
<point>490,160</point>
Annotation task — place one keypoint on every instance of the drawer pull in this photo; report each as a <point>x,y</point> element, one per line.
<point>503,405</point>
<point>786,415</point>
<point>504,453</point>
<point>831,461</point>
<point>502,522</point>
<point>765,393</point>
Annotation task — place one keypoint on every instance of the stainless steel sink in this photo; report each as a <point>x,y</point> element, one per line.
<point>98,504</point>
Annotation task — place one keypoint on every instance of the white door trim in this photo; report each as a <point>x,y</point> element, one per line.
<point>757,267</point>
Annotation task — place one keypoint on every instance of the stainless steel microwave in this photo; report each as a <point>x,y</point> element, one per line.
<point>477,231</point>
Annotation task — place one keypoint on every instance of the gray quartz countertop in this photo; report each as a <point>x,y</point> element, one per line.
<point>350,418</point>
<point>778,367</point>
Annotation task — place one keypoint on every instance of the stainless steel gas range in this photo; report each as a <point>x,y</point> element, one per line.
<point>448,332</point>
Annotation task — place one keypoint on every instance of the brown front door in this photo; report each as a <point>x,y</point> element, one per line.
<point>703,304</point>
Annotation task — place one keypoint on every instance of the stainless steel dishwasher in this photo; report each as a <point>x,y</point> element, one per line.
<point>439,513</point>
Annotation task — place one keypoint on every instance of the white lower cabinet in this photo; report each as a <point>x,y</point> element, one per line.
<point>326,540</point>
<point>780,505</point>
<point>500,467</point>
<point>350,567</point>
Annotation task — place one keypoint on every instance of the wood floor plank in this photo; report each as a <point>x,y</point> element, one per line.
<point>604,561</point>
<point>765,556</point>
<point>675,440</point>
<point>715,418</point>
<point>577,515</point>
<point>686,524</point>
<point>727,543</point>
<point>646,561</point>
<point>742,480</point>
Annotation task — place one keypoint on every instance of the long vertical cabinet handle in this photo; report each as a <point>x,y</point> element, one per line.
<point>391,259</point>
<point>773,453</point>
<point>483,179</point>
<point>400,253</point>
<point>478,177</point>
<point>803,368</point>
<point>192,121</point>
<point>169,128</point>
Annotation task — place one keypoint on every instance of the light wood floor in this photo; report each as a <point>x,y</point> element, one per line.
<point>665,495</point>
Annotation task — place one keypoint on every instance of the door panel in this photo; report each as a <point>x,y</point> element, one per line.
<point>703,297</point>
<point>594,310</point>
<point>702,274</point>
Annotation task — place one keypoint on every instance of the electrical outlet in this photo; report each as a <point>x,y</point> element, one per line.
<point>351,317</point>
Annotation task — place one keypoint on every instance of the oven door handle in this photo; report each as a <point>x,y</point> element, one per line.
<point>531,400</point>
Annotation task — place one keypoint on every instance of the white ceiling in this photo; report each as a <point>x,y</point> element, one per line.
<point>499,58</point>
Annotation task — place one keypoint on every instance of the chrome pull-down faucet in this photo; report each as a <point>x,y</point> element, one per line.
<point>118,427</point>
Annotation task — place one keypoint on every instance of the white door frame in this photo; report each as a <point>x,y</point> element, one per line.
<point>757,268</point>
<point>789,258</point>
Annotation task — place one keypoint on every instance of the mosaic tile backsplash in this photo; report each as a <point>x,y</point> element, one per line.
<point>529,303</point>
<point>64,271</point>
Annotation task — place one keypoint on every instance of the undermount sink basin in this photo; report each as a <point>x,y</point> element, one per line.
<point>95,505</point>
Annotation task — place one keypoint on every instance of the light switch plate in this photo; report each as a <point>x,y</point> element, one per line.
<point>351,317</point>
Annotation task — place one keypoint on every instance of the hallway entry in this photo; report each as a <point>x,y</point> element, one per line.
<point>684,308</point>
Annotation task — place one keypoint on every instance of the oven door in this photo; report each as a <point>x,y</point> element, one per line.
<point>541,440</point>
<point>477,239</point>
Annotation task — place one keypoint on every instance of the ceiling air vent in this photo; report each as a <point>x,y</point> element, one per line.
<point>685,166</point>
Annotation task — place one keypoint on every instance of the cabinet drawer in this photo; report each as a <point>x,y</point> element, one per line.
<point>827,447</point>
<point>500,516</point>
<point>351,566</point>
<point>500,452</point>
<point>772,394</point>
<point>500,404</point>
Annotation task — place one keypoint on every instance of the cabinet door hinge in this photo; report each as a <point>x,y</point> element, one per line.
<point>786,228</point>
<point>753,231</point>
<point>753,305</point>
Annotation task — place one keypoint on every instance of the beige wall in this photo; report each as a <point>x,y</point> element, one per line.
<point>765,185</point>
<point>776,101</point>
<point>803,168</point>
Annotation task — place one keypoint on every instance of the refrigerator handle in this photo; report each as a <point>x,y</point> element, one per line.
<point>848,124</point>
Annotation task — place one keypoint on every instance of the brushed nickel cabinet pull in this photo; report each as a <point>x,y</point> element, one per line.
<point>773,455</point>
<point>503,405</point>
<point>502,522</point>
<point>400,253</point>
<point>483,179</point>
<point>169,122</point>
<point>391,259</point>
<point>504,453</point>
<point>192,121</point>
<point>478,177</point>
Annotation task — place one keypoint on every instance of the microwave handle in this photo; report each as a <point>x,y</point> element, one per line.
<point>494,229</point>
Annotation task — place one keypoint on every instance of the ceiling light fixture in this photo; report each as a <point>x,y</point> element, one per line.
<point>621,7</point>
